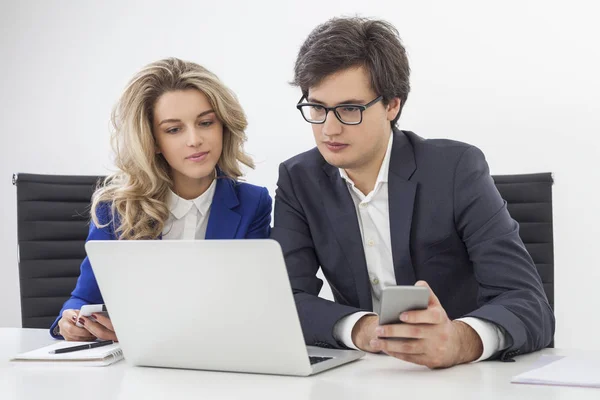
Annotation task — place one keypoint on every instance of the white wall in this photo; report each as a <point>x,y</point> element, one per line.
<point>519,79</point>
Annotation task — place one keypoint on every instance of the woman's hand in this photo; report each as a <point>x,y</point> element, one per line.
<point>99,326</point>
<point>71,332</point>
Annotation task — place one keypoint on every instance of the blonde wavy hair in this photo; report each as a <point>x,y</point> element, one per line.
<point>137,193</point>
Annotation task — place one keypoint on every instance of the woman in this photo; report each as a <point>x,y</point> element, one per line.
<point>178,142</point>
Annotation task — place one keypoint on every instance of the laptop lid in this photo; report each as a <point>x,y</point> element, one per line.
<point>223,305</point>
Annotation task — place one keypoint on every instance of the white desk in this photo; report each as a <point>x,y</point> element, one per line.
<point>374,377</point>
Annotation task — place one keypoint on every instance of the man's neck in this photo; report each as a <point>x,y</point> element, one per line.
<point>365,176</point>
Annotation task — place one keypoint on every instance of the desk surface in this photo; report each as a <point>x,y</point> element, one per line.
<point>373,377</point>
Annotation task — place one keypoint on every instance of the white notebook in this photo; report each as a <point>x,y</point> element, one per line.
<point>583,371</point>
<point>99,356</point>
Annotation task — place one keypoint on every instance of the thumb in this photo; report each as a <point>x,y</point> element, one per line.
<point>433,300</point>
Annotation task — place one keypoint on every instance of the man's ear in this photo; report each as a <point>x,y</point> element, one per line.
<point>393,108</point>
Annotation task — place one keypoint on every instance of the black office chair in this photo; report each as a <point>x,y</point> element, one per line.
<point>53,216</point>
<point>529,199</point>
<point>52,223</point>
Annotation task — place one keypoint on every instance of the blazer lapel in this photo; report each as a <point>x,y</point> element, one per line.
<point>223,221</point>
<point>342,215</point>
<point>401,202</point>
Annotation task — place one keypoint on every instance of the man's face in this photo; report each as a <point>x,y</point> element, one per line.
<point>352,147</point>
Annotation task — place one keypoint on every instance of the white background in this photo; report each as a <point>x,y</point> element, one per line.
<point>519,79</point>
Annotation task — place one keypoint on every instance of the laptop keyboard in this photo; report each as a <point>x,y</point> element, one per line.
<point>315,360</point>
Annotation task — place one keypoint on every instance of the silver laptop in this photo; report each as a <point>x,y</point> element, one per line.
<point>223,305</point>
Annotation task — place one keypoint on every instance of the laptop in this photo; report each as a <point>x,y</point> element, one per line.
<point>220,305</point>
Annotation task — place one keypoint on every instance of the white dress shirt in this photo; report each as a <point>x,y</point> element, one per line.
<point>188,218</point>
<point>374,221</point>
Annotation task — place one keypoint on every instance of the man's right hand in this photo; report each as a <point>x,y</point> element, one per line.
<point>68,329</point>
<point>364,331</point>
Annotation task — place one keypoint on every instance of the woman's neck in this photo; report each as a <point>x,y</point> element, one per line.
<point>190,188</point>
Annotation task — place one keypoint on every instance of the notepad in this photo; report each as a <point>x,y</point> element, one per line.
<point>582,371</point>
<point>99,356</point>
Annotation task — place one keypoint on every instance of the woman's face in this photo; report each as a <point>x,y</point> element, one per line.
<point>189,136</point>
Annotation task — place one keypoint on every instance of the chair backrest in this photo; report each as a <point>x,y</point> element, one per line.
<point>53,217</point>
<point>53,213</point>
<point>529,199</point>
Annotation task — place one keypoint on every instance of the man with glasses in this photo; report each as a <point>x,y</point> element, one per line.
<point>375,206</point>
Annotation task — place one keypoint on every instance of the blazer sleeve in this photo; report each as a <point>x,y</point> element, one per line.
<point>86,291</point>
<point>317,316</point>
<point>511,293</point>
<point>260,227</point>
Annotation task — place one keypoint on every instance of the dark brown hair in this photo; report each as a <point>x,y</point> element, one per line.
<point>342,43</point>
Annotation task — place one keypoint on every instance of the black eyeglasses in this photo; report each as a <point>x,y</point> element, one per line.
<point>348,114</point>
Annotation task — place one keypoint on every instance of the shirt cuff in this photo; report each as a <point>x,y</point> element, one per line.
<point>492,336</point>
<point>342,330</point>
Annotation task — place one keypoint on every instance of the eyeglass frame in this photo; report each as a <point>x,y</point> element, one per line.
<point>361,107</point>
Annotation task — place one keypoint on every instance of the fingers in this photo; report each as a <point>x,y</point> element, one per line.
<point>72,333</point>
<point>70,314</point>
<point>402,346</point>
<point>433,315</point>
<point>69,331</point>
<point>104,321</point>
<point>433,300</point>
<point>97,329</point>
<point>404,331</point>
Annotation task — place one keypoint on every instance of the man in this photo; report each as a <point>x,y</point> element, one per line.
<point>374,206</point>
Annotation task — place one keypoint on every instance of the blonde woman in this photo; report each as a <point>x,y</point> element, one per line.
<point>178,142</point>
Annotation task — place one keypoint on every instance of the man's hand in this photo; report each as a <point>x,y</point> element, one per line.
<point>427,337</point>
<point>364,331</point>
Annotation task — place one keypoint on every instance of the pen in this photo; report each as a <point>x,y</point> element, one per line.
<point>82,347</point>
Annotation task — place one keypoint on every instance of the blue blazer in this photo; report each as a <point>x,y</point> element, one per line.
<point>238,211</point>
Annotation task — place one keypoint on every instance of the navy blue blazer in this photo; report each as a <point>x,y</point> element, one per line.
<point>449,226</point>
<point>238,211</point>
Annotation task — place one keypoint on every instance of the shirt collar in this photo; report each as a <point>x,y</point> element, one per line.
<point>179,206</point>
<point>384,170</point>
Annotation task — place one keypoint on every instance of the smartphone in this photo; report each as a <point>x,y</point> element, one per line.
<point>88,309</point>
<point>397,299</point>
